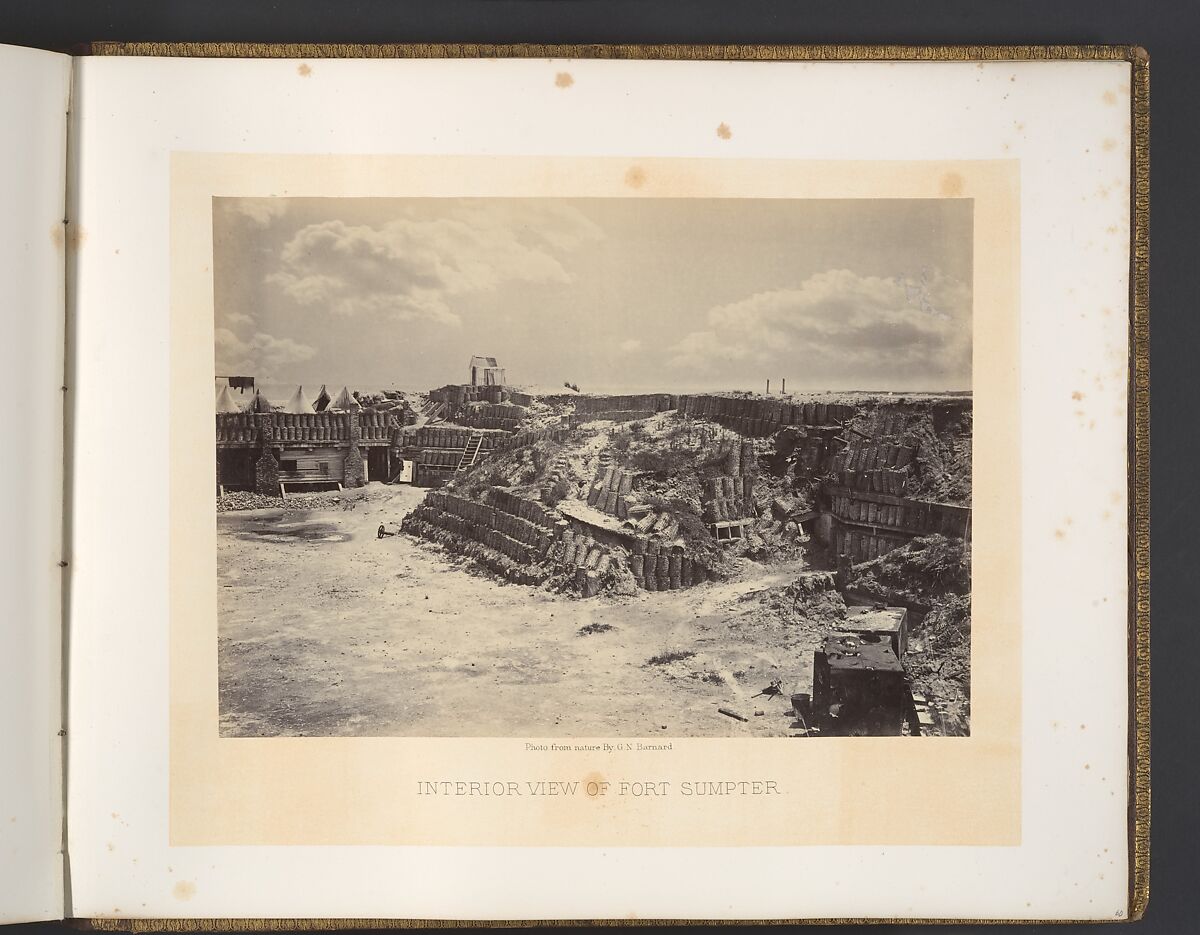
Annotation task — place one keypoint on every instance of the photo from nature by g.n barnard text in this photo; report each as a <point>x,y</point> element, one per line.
<point>593,467</point>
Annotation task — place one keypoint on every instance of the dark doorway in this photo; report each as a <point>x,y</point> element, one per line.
<point>379,464</point>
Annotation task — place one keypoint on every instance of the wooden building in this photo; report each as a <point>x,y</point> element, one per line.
<point>486,372</point>
<point>281,452</point>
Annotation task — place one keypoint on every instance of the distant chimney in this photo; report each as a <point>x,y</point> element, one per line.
<point>768,386</point>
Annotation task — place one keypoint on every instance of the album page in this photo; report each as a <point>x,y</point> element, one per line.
<point>550,485</point>
<point>34,92</point>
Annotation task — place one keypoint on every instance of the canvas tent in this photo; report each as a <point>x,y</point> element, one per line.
<point>345,400</point>
<point>225,401</point>
<point>321,403</point>
<point>261,403</point>
<point>299,403</point>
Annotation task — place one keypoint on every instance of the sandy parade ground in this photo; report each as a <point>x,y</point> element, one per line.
<point>327,630</point>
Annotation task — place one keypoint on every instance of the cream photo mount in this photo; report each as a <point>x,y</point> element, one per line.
<point>347,791</point>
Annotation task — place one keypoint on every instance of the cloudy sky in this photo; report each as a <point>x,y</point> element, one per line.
<point>611,294</point>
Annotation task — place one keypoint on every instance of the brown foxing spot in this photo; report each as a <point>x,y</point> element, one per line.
<point>635,177</point>
<point>1077,395</point>
<point>1109,145</point>
<point>951,185</point>
<point>184,889</point>
<point>563,80</point>
<point>593,777</point>
<point>76,236</point>
<point>1110,98</point>
<point>57,237</point>
<point>1059,534</point>
<point>303,70</point>
<point>724,132</point>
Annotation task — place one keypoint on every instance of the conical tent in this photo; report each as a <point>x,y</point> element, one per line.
<point>299,403</point>
<point>321,403</point>
<point>225,402</point>
<point>261,403</point>
<point>345,400</point>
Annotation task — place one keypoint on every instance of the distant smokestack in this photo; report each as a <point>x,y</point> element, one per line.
<point>783,388</point>
<point>768,386</point>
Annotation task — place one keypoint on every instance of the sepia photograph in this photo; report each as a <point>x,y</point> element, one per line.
<point>593,467</point>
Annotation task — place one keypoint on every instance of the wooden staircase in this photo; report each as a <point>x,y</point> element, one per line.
<point>471,453</point>
<point>434,412</point>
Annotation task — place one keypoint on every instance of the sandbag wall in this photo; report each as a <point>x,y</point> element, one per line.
<point>875,460</point>
<point>438,449</point>
<point>577,419</point>
<point>663,567</point>
<point>517,547</point>
<point>376,426</point>
<point>509,442</point>
<point>503,416</point>
<point>729,495</point>
<point>447,436</point>
<point>514,537</point>
<point>234,428</point>
<point>916,517</point>
<point>585,557</point>
<point>556,483</point>
<point>644,519</point>
<point>462,394</point>
<point>863,545</point>
<point>758,418</point>
<point>874,468</point>
<point>243,427</point>
<point>645,402</point>
<point>608,491</point>
<point>398,409</point>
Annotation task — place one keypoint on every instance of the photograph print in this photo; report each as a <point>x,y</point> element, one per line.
<point>596,467</point>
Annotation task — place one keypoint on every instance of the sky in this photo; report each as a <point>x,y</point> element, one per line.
<point>611,294</point>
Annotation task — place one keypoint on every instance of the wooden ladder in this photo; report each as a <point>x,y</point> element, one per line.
<point>434,412</point>
<point>470,453</point>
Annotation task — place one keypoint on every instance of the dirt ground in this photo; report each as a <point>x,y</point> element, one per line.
<point>326,630</point>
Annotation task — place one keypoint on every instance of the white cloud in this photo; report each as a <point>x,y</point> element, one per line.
<point>415,269</point>
<point>236,318</point>
<point>704,348</point>
<point>262,356</point>
<point>630,345</point>
<point>260,211</point>
<point>838,319</point>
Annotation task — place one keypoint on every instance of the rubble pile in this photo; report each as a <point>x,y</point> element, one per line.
<point>916,575</point>
<point>943,671</point>
<point>246,500</point>
<point>235,500</point>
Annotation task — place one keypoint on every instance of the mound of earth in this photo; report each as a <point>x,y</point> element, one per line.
<point>917,575</point>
